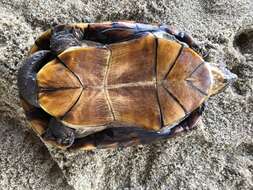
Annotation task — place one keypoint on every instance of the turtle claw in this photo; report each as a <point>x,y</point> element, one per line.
<point>200,48</point>
<point>58,132</point>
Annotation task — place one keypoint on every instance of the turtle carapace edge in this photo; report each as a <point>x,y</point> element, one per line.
<point>102,85</point>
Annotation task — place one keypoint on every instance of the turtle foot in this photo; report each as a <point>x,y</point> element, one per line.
<point>59,133</point>
<point>189,123</point>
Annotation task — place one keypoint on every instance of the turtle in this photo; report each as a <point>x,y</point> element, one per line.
<point>115,84</point>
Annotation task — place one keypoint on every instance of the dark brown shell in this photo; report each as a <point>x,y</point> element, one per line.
<point>141,82</point>
<point>149,82</point>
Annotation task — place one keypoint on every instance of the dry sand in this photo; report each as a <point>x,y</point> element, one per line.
<point>218,155</point>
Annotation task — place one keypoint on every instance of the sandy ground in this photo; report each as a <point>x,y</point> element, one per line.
<point>218,155</point>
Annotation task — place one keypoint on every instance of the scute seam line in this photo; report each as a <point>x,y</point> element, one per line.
<point>156,82</point>
<point>196,88</point>
<point>196,68</point>
<point>109,103</point>
<point>62,62</point>
<point>174,63</point>
<point>48,89</point>
<point>176,100</point>
<point>62,117</point>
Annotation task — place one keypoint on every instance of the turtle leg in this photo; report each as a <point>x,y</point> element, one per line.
<point>59,133</point>
<point>187,124</point>
<point>107,33</point>
<point>116,137</point>
<point>27,84</point>
<point>65,36</point>
<point>127,136</point>
<point>181,36</point>
<point>113,32</point>
<point>184,37</point>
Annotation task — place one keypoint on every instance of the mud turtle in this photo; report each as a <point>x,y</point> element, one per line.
<point>102,85</point>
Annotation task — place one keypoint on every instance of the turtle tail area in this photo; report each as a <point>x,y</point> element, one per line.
<point>27,83</point>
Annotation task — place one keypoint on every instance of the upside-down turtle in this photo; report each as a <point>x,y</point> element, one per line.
<point>99,85</point>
